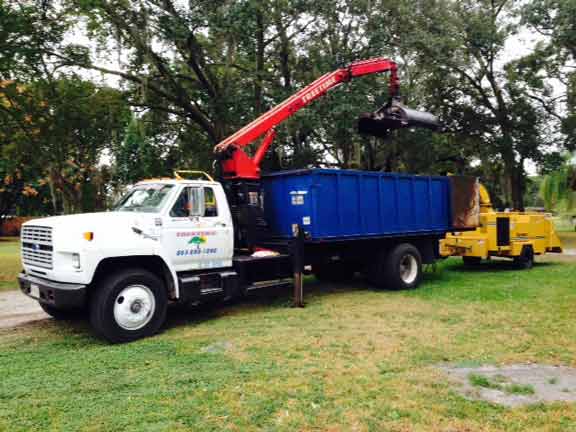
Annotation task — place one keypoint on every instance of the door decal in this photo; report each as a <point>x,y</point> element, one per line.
<point>197,239</point>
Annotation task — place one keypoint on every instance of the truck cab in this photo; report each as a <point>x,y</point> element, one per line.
<point>155,241</point>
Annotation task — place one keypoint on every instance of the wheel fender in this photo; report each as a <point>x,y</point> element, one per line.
<point>137,261</point>
<point>172,272</point>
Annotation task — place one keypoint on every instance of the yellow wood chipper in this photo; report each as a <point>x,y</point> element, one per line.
<point>516,235</point>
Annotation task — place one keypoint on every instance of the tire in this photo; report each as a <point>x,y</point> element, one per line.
<point>128,305</point>
<point>62,314</point>
<point>471,260</point>
<point>526,259</point>
<point>397,269</point>
<point>334,272</point>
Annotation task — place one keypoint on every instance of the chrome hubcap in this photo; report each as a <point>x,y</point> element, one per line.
<point>134,307</point>
<point>408,269</point>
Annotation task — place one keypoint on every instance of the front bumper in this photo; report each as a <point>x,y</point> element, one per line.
<point>57,294</point>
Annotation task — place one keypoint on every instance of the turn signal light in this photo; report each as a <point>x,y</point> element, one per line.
<point>89,235</point>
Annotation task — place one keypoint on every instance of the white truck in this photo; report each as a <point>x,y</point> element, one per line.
<point>173,241</point>
<point>166,240</point>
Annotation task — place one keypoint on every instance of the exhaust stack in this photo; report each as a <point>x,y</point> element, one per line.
<point>395,115</point>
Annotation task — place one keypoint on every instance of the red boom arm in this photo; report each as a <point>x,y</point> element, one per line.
<point>237,164</point>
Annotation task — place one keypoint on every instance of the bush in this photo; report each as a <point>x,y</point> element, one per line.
<point>11,226</point>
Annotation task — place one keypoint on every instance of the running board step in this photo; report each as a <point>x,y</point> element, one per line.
<point>269,284</point>
<point>211,291</point>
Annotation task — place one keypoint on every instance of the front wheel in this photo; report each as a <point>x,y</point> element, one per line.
<point>398,269</point>
<point>128,305</point>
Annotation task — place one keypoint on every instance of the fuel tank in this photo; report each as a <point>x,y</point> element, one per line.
<point>395,115</point>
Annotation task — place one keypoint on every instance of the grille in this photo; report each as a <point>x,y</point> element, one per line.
<point>37,246</point>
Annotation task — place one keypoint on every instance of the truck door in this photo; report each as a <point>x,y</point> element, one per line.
<point>197,235</point>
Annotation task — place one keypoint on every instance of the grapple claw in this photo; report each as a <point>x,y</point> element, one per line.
<point>395,115</point>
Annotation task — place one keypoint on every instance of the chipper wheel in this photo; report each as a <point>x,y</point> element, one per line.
<point>526,259</point>
<point>397,269</point>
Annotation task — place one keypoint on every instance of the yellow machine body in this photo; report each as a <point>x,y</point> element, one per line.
<point>503,234</point>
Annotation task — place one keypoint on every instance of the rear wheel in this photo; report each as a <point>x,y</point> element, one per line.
<point>398,269</point>
<point>471,260</point>
<point>128,305</point>
<point>62,314</point>
<point>526,259</point>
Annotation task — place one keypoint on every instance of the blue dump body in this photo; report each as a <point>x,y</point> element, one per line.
<point>333,204</point>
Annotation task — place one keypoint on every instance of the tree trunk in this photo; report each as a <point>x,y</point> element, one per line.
<point>52,192</point>
<point>517,188</point>
<point>258,105</point>
<point>514,171</point>
<point>284,56</point>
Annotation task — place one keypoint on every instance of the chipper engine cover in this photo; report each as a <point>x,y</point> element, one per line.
<point>395,115</point>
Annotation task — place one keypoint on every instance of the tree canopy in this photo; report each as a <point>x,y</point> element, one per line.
<point>96,94</point>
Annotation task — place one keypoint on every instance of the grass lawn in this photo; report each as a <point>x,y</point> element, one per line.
<point>353,359</point>
<point>9,262</point>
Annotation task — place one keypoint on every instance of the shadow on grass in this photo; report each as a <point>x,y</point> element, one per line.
<point>494,266</point>
<point>74,332</point>
<point>442,271</point>
<point>437,283</point>
<point>179,315</point>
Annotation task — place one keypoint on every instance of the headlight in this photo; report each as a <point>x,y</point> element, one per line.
<point>76,260</point>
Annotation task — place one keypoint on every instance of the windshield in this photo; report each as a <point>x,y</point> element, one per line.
<point>148,198</point>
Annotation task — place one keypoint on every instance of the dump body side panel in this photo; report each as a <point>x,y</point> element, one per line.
<point>346,204</point>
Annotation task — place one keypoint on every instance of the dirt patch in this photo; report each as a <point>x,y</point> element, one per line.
<point>567,255</point>
<point>515,385</point>
<point>16,309</point>
<point>217,347</point>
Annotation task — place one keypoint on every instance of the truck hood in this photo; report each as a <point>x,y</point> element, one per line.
<point>89,221</point>
<point>109,228</point>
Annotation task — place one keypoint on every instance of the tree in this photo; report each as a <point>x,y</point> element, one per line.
<point>26,32</point>
<point>212,69</point>
<point>458,46</point>
<point>556,57</point>
<point>57,131</point>
<point>81,122</point>
<point>194,72</point>
<point>141,156</point>
<point>558,188</point>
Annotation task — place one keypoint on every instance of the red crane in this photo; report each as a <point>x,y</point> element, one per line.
<point>236,164</point>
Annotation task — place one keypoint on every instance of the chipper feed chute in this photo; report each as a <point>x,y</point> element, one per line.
<point>395,115</point>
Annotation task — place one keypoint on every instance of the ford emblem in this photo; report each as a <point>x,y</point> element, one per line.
<point>35,246</point>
